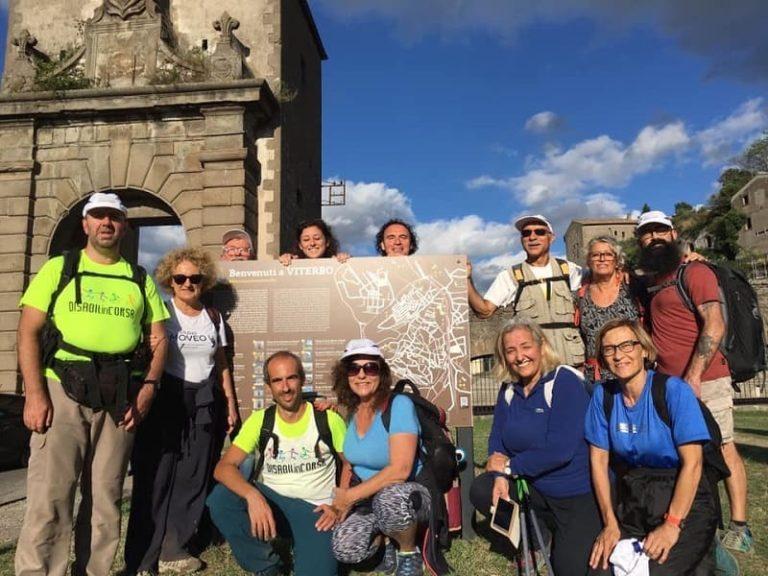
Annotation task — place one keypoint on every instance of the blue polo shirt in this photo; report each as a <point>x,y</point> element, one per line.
<point>545,443</point>
<point>637,435</point>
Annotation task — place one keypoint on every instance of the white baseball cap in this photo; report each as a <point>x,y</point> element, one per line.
<point>653,217</point>
<point>361,347</point>
<point>104,200</point>
<point>523,221</point>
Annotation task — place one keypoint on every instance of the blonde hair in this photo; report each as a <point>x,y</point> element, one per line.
<point>615,248</point>
<point>196,256</point>
<point>640,334</point>
<point>549,358</point>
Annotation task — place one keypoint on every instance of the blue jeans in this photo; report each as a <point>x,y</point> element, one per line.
<point>295,520</point>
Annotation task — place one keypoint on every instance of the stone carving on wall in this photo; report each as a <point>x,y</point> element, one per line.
<point>126,9</point>
<point>227,60</point>
<point>129,43</point>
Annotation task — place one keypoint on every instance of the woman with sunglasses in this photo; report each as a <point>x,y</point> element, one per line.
<point>314,239</point>
<point>538,435</point>
<point>664,499</point>
<point>383,506</point>
<point>173,454</point>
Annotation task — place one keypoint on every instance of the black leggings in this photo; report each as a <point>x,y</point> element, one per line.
<point>574,523</point>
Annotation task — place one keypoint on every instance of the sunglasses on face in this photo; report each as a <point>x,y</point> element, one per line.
<point>528,232</point>
<point>180,279</point>
<point>369,368</point>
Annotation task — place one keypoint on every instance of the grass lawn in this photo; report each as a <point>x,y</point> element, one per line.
<point>474,557</point>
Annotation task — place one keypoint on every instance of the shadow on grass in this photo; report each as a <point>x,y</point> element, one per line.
<point>752,431</point>
<point>755,453</point>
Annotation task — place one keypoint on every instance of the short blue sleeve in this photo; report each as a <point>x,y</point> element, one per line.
<point>686,419</point>
<point>595,424</point>
<point>403,419</point>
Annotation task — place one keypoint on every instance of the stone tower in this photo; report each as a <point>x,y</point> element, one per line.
<point>205,114</point>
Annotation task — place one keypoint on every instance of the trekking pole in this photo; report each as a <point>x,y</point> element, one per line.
<point>524,529</point>
<point>525,503</point>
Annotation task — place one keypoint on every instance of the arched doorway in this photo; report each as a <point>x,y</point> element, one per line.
<point>154,228</point>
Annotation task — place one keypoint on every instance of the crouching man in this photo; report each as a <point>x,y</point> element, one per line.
<point>289,493</point>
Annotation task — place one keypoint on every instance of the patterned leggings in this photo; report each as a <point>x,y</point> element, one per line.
<point>393,509</point>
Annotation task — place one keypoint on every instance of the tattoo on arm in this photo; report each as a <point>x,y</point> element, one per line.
<point>705,347</point>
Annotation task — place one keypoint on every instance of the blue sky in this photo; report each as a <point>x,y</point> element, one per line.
<point>461,115</point>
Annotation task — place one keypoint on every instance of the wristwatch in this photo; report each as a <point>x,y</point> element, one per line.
<point>153,382</point>
<point>674,520</point>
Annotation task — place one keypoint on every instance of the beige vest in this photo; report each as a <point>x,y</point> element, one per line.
<point>552,306</point>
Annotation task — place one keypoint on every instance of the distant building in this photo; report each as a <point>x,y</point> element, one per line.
<point>580,232</point>
<point>752,202</point>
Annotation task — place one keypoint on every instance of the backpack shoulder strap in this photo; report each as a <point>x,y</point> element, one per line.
<point>682,290</point>
<point>565,269</point>
<point>325,435</point>
<point>516,272</point>
<point>139,276</point>
<point>267,431</point>
<point>215,316</point>
<point>659,395</point>
<point>68,271</point>
<point>386,414</point>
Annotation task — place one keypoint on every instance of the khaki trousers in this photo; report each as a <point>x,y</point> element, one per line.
<point>80,445</point>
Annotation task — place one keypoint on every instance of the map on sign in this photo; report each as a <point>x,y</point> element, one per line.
<point>415,308</point>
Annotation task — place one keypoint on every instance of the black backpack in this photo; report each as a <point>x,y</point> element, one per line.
<point>439,469</point>
<point>715,468</point>
<point>267,433</point>
<point>743,343</point>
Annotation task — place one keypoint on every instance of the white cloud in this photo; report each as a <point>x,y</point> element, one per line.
<point>727,137</point>
<point>543,122</point>
<point>469,235</point>
<point>155,241</point>
<point>730,35</point>
<point>368,206</point>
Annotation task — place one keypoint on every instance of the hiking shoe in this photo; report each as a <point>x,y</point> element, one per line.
<point>181,566</point>
<point>388,563</point>
<point>725,563</point>
<point>409,564</point>
<point>739,539</point>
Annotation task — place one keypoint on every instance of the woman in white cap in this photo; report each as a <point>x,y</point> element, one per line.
<point>383,506</point>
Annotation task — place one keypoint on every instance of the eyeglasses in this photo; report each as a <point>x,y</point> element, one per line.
<point>652,232</point>
<point>531,231</point>
<point>233,251</point>
<point>369,368</point>
<point>180,279</point>
<point>627,346</point>
<point>608,256</point>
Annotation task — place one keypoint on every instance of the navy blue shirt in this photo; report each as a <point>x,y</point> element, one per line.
<point>637,435</point>
<point>545,443</point>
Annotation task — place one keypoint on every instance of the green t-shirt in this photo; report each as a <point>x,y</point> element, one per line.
<point>295,471</point>
<point>109,316</point>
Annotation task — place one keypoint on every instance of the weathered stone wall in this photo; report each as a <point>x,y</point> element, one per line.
<point>199,159</point>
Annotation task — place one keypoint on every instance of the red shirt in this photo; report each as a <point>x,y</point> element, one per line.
<point>674,327</point>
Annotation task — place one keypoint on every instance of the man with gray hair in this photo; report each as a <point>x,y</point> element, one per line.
<point>85,314</point>
<point>540,288</point>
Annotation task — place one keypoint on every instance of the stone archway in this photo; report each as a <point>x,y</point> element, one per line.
<point>145,211</point>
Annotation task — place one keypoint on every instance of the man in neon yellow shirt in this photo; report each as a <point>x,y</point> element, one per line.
<point>79,407</point>
<point>294,489</point>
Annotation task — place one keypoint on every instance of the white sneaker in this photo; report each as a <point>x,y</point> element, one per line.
<point>182,566</point>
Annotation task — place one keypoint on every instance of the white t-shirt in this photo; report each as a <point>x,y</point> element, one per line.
<point>502,291</point>
<point>193,343</point>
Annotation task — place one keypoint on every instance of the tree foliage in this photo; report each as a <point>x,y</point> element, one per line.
<point>755,157</point>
